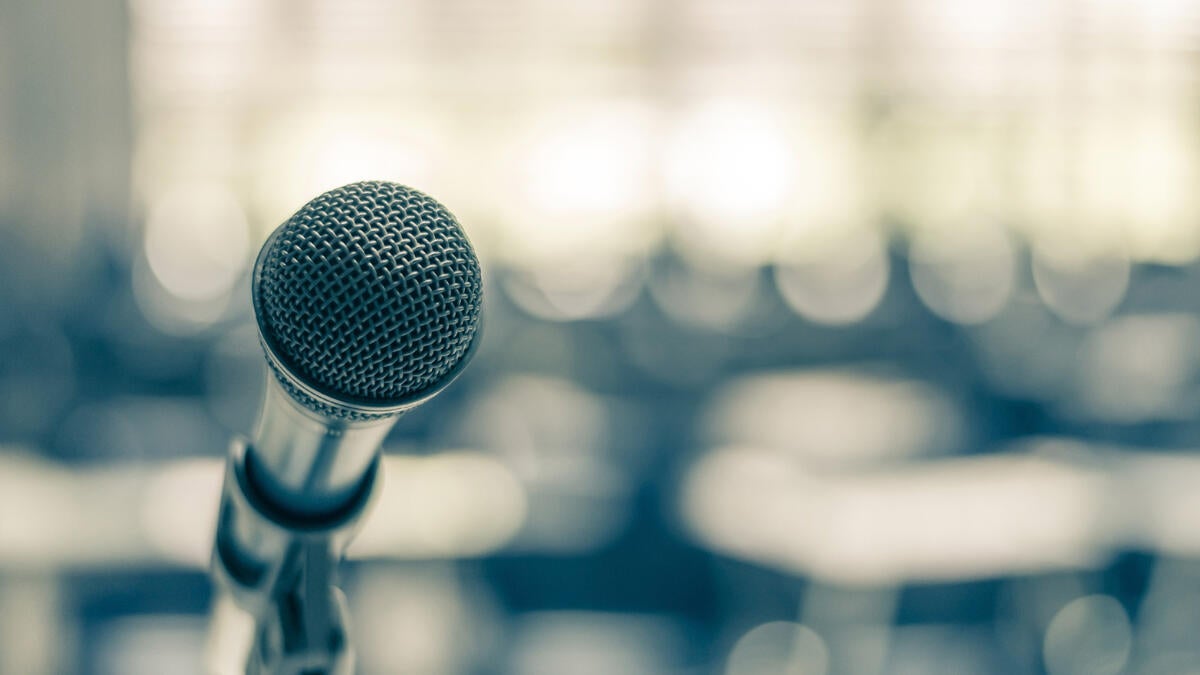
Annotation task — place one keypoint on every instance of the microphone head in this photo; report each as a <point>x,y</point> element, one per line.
<point>368,300</point>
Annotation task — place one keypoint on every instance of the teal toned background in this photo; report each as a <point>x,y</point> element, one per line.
<point>823,337</point>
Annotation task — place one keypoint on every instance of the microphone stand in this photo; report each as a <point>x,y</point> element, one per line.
<point>304,631</point>
<point>280,570</point>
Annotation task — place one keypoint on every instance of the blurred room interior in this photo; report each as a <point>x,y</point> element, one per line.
<point>823,337</point>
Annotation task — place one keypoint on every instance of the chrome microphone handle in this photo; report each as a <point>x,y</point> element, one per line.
<point>306,462</point>
<point>310,450</point>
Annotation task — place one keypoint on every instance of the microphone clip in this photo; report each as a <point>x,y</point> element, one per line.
<point>281,569</point>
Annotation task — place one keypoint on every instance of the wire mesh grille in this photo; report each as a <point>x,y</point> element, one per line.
<point>370,291</point>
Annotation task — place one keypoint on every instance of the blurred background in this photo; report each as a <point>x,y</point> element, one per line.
<point>823,337</point>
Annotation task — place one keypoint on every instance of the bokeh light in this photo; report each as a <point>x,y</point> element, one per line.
<point>837,279</point>
<point>781,648</point>
<point>964,274</point>
<point>197,242</point>
<point>1089,635</point>
<point>1078,286</point>
<point>729,169</point>
<point>582,191</point>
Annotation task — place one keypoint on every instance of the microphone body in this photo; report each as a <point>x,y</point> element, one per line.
<point>310,463</point>
<point>368,303</point>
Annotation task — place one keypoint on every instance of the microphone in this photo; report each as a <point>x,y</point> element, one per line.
<point>368,304</point>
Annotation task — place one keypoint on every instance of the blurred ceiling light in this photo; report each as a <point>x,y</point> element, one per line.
<point>963,274</point>
<point>196,241</point>
<point>1157,188</point>
<point>322,147</point>
<point>935,170</point>
<point>837,418</point>
<point>583,189</point>
<point>980,24</point>
<point>1113,181</point>
<point>834,279</point>
<point>1077,286</point>
<point>779,647</point>
<point>827,194</point>
<point>1052,171</point>
<point>730,174</point>
<point>1138,369</point>
<point>1089,636</point>
<point>951,520</point>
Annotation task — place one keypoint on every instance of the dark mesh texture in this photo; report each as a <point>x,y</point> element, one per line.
<point>371,292</point>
